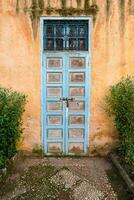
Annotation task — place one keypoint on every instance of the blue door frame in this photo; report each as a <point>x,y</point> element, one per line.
<point>65,127</point>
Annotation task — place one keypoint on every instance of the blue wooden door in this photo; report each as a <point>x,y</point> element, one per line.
<point>66,92</point>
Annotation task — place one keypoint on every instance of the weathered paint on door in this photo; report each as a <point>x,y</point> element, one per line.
<point>65,79</point>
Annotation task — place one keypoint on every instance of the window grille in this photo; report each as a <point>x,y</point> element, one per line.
<point>66,35</point>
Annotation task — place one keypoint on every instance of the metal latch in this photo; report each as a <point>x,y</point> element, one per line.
<point>67,100</point>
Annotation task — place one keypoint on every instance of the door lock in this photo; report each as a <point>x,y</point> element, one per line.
<point>67,100</point>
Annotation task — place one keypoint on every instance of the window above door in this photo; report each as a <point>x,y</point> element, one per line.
<point>65,35</point>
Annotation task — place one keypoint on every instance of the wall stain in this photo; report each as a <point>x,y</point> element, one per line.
<point>78,4</point>
<point>108,12</point>
<point>17,6</point>
<point>63,10</point>
<point>25,7</point>
<point>38,8</point>
<point>130,7</point>
<point>49,10</point>
<point>108,6</point>
<point>63,4</point>
<point>91,9</point>
<point>122,30</point>
<point>122,16</point>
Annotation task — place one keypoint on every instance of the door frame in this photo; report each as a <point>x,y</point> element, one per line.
<point>43,88</point>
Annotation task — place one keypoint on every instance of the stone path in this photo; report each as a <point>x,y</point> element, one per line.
<point>61,179</point>
<point>81,188</point>
<point>86,177</point>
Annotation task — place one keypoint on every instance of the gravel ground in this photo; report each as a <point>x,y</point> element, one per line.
<point>35,178</point>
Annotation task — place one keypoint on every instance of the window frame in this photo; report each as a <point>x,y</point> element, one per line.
<point>66,38</point>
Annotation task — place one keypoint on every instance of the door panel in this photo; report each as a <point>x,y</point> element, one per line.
<point>77,77</point>
<point>54,120</point>
<point>54,92</point>
<point>76,120</point>
<point>76,133</point>
<point>54,63</point>
<point>55,147</point>
<point>78,106</point>
<point>54,133</point>
<point>66,102</point>
<point>77,63</point>
<point>76,91</point>
<point>54,106</point>
<point>76,148</point>
<point>54,77</point>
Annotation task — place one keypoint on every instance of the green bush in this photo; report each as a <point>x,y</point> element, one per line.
<point>120,105</point>
<point>2,161</point>
<point>12,105</point>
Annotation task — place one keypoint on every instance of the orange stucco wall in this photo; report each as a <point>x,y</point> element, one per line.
<point>111,58</point>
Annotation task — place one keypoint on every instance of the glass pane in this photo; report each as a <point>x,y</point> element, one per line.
<point>77,62</point>
<point>54,92</point>
<point>77,77</point>
<point>54,120</point>
<point>76,120</point>
<point>76,148</point>
<point>54,147</point>
<point>59,30</point>
<point>76,133</point>
<point>59,44</point>
<point>54,63</point>
<point>50,44</point>
<point>82,31</point>
<point>78,106</point>
<point>50,30</point>
<point>73,44</point>
<point>73,31</point>
<point>54,133</point>
<point>54,106</point>
<point>54,77</point>
<point>82,44</point>
<point>77,91</point>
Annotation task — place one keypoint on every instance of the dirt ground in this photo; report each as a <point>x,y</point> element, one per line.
<point>49,178</point>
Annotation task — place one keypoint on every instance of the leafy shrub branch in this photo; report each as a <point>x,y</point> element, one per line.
<point>12,105</point>
<point>120,106</point>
